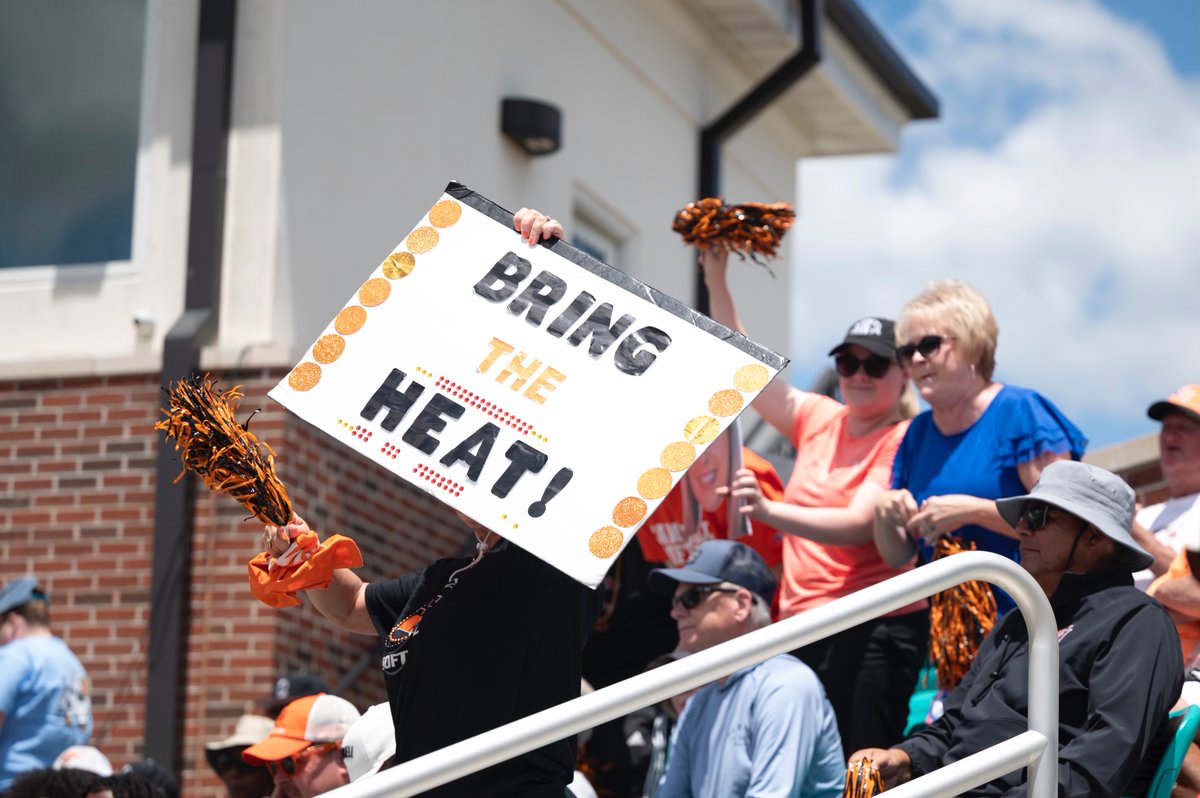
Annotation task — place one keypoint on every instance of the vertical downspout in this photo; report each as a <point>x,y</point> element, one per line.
<point>173,516</point>
<point>758,99</point>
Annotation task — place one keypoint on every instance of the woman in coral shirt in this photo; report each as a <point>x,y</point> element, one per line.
<point>843,465</point>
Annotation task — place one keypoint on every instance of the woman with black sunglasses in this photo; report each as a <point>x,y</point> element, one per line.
<point>843,464</point>
<point>981,440</point>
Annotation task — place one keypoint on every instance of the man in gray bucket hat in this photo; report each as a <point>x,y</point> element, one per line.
<point>1120,667</point>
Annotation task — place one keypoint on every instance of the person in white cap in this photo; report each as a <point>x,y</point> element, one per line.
<point>242,780</point>
<point>370,744</point>
<point>45,694</point>
<point>84,757</point>
<point>1120,668</point>
<point>304,749</point>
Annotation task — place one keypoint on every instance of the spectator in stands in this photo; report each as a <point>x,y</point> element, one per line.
<point>304,749</point>
<point>125,785</point>
<point>633,627</point>
<point>84,757</point>
<point>981,440</point>
<point>435,621</point>
<point>648,734</point>
<point>843,465</point>
<point>48,782</point>
<point>1170,530</point>
<point>45,696</point>
<point>290,686</point>
<point>1162,529</point>
<point>445,628</point>
<point>1119,664</point>
<point>370,743</point>
<point>154,774</point>
<point>766,729</point>
<point>242,779</point>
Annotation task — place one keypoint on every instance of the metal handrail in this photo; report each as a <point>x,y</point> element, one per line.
<point>1036,748</point>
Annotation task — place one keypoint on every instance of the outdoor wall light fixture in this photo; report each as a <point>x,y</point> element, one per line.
<point>535,126</point>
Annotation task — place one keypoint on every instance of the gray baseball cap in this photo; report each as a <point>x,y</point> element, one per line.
<point>1092,494</point>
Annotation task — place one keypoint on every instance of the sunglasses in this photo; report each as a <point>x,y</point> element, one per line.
<point>232,760</point>
<point>875,365</point>
<point>289,764</point>
<point>927,346</point>
<point>1035,516</point>
<point>690,598</point>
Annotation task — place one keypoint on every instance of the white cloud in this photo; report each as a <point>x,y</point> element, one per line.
<point>1063,181</point>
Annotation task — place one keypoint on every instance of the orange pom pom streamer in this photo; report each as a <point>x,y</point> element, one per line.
<point>959,619</point>
<point>862,779</point>
<point>752,229</point>
<point>222,452</point>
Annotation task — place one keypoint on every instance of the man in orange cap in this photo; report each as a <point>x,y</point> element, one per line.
<point>1163,529</point>
<point>304,750</point>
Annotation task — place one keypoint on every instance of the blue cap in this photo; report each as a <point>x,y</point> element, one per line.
<point>17,592</point>
<point>716,561</point>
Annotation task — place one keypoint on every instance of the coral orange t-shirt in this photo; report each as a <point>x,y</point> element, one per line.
<point>831,465</point>
<point>663,538</point>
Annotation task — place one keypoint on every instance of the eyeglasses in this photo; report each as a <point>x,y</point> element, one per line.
<point>690,598</point>
<point>289,764</point>
<point>875,365</point>
<point>1035,516</point>
<point>927,346</point>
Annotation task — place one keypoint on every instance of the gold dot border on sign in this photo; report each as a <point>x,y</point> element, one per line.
<point>373,293</point>
<point>676,457</point>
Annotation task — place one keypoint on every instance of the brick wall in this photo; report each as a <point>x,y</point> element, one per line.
<point>77,478</point>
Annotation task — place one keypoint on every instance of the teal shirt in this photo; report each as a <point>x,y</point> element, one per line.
<point>768,730</point>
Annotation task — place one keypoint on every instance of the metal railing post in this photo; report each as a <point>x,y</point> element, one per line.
<point>1036,749</point>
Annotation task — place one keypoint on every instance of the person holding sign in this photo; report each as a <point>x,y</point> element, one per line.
<point>470,644</point>
<point>843,465</point>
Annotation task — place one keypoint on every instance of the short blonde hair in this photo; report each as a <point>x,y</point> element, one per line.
<point>964,313</point>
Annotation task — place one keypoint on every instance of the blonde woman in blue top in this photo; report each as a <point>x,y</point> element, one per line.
<point>981,440</point>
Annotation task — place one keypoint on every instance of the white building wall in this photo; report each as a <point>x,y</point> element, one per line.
<point>349,119</point>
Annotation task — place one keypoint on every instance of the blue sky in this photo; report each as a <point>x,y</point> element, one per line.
<point>1062,179</point>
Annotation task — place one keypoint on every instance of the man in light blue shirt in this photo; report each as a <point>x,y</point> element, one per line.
<point>45,703</point>
<point>766,730</point>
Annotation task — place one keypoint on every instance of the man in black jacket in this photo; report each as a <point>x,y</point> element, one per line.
<point>1120,667</point>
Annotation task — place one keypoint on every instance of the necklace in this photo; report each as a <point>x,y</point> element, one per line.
<point>407,626</point>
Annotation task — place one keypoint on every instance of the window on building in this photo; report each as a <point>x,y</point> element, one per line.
<point>598,239</point>
<point>70,96</point>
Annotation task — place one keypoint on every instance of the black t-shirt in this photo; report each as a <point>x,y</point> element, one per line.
<point>505,642</point>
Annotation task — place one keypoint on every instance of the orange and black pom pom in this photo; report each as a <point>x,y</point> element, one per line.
<point>959,619</point>
<point>752,229</point>
<point>222,452</point>
<point>862,779</point>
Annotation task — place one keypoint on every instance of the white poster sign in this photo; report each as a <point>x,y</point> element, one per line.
<point>548,396</point>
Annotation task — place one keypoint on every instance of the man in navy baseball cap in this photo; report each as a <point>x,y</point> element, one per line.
<point>786,732</point>
<point>716,561</point>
